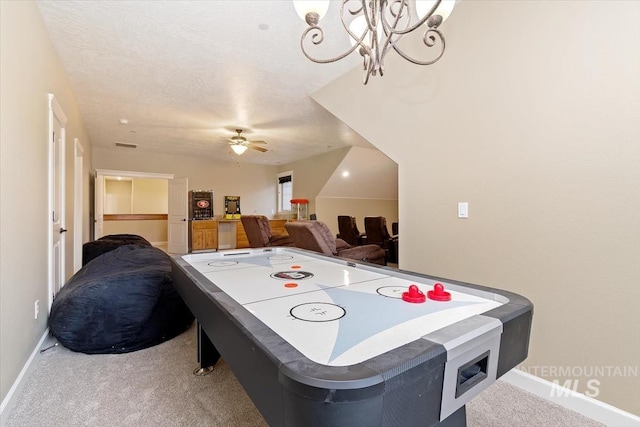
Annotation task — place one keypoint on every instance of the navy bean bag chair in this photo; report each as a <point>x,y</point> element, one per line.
<point>91,250</point>
<point>121,301</point>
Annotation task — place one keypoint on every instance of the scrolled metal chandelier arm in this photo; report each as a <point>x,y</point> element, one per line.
<point>365,50</point>
<point>390,29</point>
<point>429,39</point>
<point>318,37</point>
<point>383,23</point>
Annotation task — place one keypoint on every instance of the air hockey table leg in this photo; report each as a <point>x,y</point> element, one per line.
<point>208,355</point>
<point>457,419</point>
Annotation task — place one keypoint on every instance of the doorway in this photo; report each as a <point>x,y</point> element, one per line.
<point>106,178</point>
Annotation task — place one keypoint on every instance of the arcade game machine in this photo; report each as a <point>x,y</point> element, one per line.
<point>232,207</point>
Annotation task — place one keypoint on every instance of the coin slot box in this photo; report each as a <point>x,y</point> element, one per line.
<point>472,373</point>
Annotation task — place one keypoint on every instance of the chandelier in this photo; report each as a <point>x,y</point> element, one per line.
<point>375,27</point>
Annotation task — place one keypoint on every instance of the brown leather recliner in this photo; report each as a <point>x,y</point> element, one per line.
<point>348,231</point>
<point>316,236</point>
<point>259,233</point>
<point>377,233</point>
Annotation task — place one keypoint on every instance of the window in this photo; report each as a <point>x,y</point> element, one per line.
<point>285,191</point>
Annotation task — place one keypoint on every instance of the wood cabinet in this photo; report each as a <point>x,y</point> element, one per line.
<point>277,228</point>
<point>204,235</point>
<point>219,234</point>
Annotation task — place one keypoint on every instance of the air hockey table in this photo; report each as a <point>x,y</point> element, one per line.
<point>324,341</point>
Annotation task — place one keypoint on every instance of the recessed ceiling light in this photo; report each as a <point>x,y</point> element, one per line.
<point>345,174</point>
<point>124,121</point>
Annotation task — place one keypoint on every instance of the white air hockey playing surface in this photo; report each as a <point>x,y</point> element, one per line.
<point>334,314</point>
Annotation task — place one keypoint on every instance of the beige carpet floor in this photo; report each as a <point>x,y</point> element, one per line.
<point>156,387</point>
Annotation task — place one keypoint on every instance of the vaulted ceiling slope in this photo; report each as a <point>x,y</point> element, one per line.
<point>365,174</point>
<point>186,74</point>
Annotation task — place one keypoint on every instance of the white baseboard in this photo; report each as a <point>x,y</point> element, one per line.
<point>17,384</point>
<point>578,402</point>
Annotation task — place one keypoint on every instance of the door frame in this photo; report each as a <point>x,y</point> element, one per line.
<point>56,265</point>
<point>178,215</point>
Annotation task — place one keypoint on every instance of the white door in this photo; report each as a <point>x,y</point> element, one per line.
<point>57,238</point>
<point>98,207</point>
<point>177,218</point>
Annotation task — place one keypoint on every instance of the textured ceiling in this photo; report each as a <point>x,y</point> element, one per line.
<point>185,74</point>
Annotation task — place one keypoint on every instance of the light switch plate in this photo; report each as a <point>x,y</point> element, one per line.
<point>463,210</point>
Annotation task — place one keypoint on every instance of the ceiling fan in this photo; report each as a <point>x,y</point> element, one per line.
<point>239,143</point>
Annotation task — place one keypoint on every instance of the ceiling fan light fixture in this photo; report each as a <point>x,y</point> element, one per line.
<point>238,149</point>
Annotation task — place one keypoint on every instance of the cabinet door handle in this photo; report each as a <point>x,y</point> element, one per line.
<point>63,230</point>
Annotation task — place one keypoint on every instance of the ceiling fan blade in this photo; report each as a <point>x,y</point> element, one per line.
<point>262,150</point>
<point>258,142</point>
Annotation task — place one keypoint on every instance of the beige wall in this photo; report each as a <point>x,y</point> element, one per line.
<point>136,196</point>
<point>150,196</point>
<point>255,184</point>
<point>533,117</point>
<point>118,197</point>
<point>329,208</point>
<point>155,231</point>
<point>29,70</point>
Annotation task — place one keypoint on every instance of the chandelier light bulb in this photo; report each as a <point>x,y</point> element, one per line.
<point>358,26</point>
<point>306,7</point>
<point>444,10</point>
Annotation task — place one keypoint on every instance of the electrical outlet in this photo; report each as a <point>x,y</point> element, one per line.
<point>36,308</point>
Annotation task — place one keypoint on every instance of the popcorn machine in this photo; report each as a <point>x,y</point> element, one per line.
<point>299,209</point>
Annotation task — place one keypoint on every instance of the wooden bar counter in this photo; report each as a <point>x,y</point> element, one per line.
<point>209,234</point>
